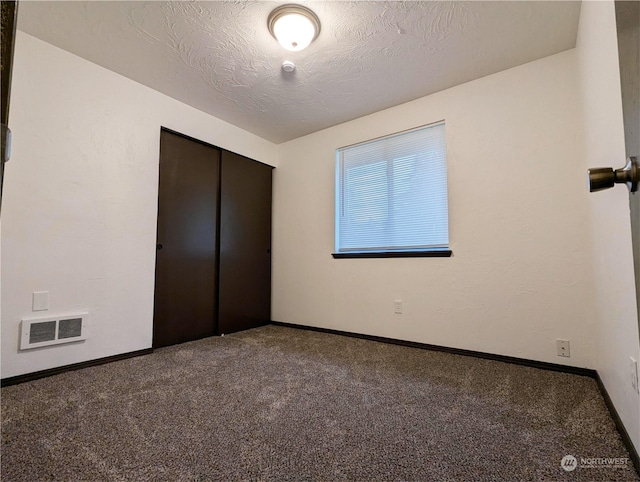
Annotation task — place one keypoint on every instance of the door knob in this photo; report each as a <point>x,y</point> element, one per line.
<point>605,177</point>
<point>159,246</point>
<point>6,143</point>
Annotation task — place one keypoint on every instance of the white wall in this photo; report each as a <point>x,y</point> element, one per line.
<point>520,274</point>
<point>80,201</point>
<point>615,303</point>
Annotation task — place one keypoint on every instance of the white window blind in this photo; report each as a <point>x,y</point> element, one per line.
<point>391,193</point>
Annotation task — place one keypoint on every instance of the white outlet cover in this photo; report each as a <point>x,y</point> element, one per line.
<point>563,348</point>
<point>633,372</point>
<point>40,301</point>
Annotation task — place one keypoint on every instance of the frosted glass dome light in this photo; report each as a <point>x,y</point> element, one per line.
<point>294,26</point>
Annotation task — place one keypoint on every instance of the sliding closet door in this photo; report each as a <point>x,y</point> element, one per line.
<point>245,244</point>
<point>185,305</point>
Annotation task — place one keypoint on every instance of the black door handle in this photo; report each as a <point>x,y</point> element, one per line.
<point>605,177</point>
<point>159,246</point>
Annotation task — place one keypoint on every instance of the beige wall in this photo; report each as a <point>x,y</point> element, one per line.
<point>520,275</point>
<point>610,230</point>
<point>80,200</point>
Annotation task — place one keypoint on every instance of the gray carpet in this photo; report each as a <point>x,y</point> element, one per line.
<point>278,403</point>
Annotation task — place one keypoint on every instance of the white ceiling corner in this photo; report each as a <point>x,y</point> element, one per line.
<point>219,57</point>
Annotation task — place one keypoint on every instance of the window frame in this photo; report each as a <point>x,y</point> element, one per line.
<point>435,251</point>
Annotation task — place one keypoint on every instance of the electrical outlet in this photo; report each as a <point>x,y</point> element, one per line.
<point>563,348</point>
<point>397,307</point>
<point>633,372</point>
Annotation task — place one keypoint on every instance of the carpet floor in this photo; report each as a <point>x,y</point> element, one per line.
<point>278,403</point>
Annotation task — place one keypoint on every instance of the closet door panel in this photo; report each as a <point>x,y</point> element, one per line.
<point>245,244</point>
<point>185,305</point>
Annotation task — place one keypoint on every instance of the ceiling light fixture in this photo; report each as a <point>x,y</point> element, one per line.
<point>294,26</point>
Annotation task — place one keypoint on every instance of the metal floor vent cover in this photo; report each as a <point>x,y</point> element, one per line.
<point>52,330</point>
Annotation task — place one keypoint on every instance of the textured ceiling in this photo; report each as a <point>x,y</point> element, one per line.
<point>220,58</point>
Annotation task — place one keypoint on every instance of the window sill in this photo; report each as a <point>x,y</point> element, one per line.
<point>435,253</point>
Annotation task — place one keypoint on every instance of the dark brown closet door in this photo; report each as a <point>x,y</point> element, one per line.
<point>186,257</point>
<point>245,244</point>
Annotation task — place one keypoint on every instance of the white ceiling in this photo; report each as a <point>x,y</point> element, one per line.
<point>219,57</point>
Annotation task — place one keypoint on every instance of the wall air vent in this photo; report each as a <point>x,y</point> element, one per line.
<point>53,330</point>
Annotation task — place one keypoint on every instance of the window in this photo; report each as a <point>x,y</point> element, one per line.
<point>391,196</point>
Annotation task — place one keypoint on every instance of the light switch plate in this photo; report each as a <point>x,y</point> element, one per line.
<point>40,301</point>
